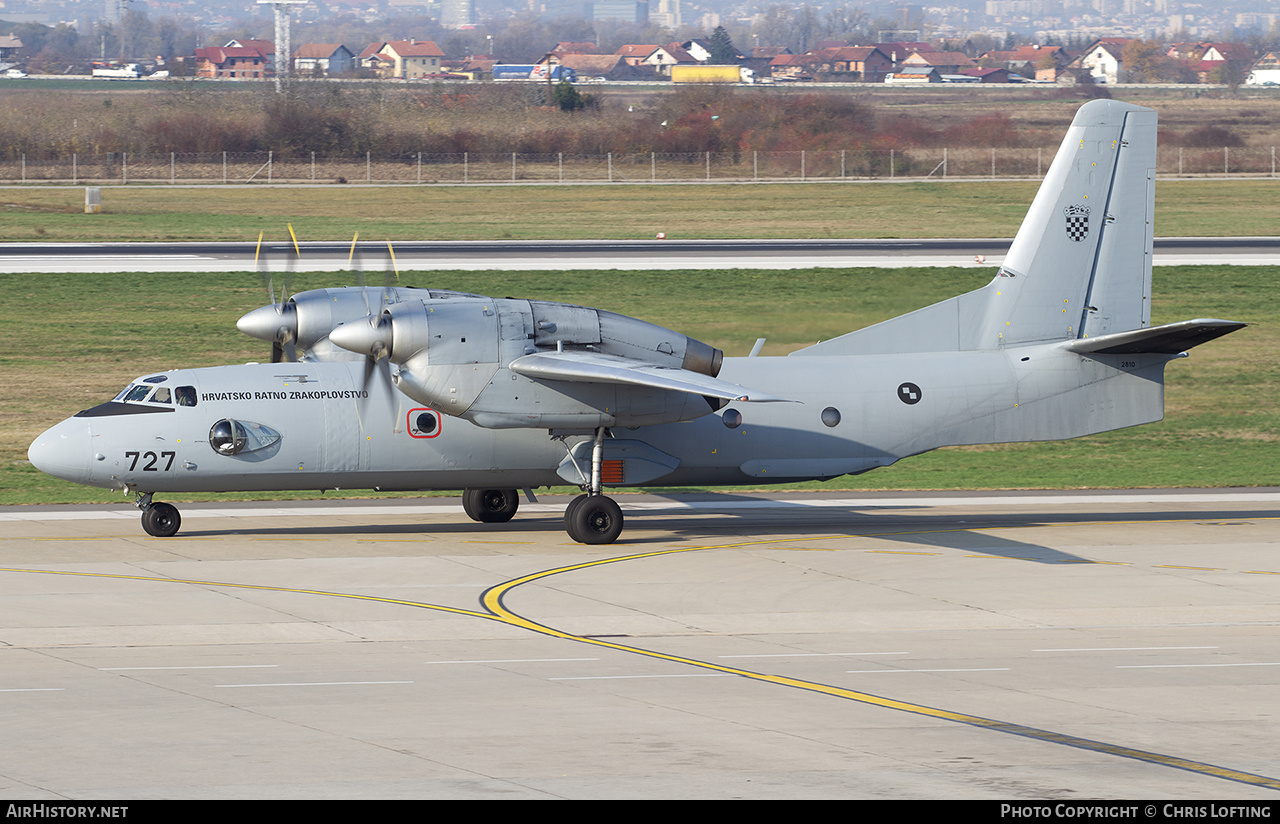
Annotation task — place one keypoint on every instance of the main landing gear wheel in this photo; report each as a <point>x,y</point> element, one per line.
<point>161,520</point>
<point>490,506</point>
<point>569,516</point>
<point>593,519</point>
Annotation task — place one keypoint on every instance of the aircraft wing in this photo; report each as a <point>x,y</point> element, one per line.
<point>591,367</point>
<point>1170,339</point>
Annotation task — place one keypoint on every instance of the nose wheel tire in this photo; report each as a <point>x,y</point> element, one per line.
<point>490,506</point>
<point>593,519</point>
<point>161,520</point>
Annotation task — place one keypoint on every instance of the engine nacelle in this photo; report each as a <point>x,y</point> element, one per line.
<point>308,318</point>
<point>454,352</point>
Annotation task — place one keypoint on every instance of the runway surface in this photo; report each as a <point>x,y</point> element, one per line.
<point>1022,646</point>
<point>556,255</point>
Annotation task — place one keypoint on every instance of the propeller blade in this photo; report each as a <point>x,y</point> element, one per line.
<point>288,331</point>
<point>277,322</point>
<point>391,278</point>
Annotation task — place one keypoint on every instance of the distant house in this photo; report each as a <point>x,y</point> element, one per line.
<point>848,63</point>
<point>232,62</point>
<point>370,58</point>
<point>699,50</point>
<point>866,64</point>
<point>989,75</point>
<point>10,45</point>
<point>383,66</point>
<point>1228,52</point>
<point>413,58</point>
<point>608,66</point>
<point>1103,61</point>
<point>266,47</point>
<point>900,51</point>
<point>1225,62</point>
<point>634,54</point>
<point>789,67</point>
<point>680,55</point>
<point>401,59</point>
<point>1041,62</point>
<point>470,68</point>
<point>657,57</point>
<point>323,59</point>
<point>941,62</point>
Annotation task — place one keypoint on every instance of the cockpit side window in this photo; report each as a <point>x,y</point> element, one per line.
<point>185,395</point>
<point>162,395</point>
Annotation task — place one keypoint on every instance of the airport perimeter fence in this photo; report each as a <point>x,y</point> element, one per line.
<point>640,167</point>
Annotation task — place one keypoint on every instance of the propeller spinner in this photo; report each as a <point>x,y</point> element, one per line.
<point>370,336</point>
<point>276,322</point>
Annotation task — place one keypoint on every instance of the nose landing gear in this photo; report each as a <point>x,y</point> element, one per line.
<point>160,520</point>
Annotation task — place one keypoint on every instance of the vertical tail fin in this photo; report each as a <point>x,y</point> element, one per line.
<point>1080,265</point>
<point>1081,261</point>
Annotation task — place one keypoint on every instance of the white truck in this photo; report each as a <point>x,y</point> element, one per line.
<point>129,71</point>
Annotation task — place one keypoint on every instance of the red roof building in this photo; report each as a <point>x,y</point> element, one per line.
<point>239,62</point>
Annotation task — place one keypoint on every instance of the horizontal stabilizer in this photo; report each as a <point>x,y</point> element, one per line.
<point>591,367</point>
<point>1170,339</point>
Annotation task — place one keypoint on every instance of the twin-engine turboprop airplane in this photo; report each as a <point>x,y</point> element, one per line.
<point>445,390</point>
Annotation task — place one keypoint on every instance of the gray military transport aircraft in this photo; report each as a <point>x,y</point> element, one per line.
<point>446,390</point>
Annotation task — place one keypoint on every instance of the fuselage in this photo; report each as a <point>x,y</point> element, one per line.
<point>342,425</point>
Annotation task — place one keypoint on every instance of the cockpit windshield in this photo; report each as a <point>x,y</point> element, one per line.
<point>136,394</point>
<point>146,393</point>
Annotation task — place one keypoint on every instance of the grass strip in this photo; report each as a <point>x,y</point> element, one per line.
<point>831,209</point>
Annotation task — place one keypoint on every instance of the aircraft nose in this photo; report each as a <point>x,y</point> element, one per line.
<point>63,451</point>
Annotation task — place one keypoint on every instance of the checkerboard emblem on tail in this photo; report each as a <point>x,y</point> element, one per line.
<point>1077,221</point>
